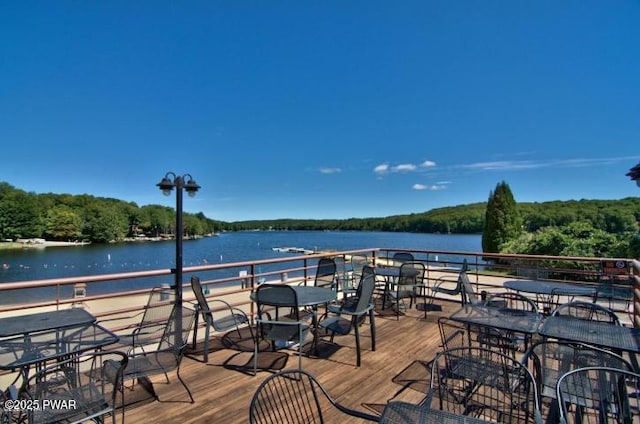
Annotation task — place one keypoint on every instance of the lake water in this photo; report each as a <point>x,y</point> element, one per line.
<point>57,262</point>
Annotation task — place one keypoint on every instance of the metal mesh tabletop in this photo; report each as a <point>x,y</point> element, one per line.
<point>592,332</point>
<point>23,351</point>
<point>408,413</point>
<point>33,323</point>
<point>501,318</point>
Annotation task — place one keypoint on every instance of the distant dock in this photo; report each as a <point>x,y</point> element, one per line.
<point>293,250</point>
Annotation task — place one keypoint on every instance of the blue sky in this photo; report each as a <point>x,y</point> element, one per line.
<point>332,109</point>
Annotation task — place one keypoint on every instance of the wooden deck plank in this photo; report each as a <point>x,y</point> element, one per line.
<point>223,395</point>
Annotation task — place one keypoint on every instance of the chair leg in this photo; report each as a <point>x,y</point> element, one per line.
<point>372,325</point>
<point>206,343</point>
<point>185,385</point>
<point>357,332</point>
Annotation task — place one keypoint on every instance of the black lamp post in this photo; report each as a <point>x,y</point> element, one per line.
<point>180,183</point>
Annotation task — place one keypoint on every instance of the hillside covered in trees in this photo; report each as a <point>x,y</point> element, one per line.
<point>85,217</point>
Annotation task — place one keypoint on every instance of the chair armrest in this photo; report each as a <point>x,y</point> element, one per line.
<point>438,286</point>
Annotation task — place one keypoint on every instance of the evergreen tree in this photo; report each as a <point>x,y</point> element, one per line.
<point>502,220</point>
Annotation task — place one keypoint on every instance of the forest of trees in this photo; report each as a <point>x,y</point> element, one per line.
<point>66,217</point>
<point>84,217</point>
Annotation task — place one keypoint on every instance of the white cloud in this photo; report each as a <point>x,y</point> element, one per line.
<point>330,170</point>
<point>381,169</point>
<point>428,164</point>
<point>518,165</point>
<point>405,167</point>
<point>434,187</point>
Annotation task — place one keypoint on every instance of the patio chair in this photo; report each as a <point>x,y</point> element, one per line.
<point>358,262</point>
<point>460,286</point>
<point>221,318</point>
<point>549,360</point>
<point>406,286</point>
<point>344,277</point>
<point>599,395</point>
<point>588,311</point>
<point>511,301</point>
<point>78,389</point>
<point>167,354</point>
<point>149,329</point>
<point>485,384</point>
<point>295,397</point>
<point>507,341</point>
<point>356,308</point>
<point>279,324</point>
<point>326,273</point>
<point>400,258</point>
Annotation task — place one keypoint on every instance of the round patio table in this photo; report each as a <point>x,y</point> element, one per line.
<point>545,291</point>
<point>307,296</point>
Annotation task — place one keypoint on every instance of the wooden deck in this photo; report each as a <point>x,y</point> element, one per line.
<point>223,390</point>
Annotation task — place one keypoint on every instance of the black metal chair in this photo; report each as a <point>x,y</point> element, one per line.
<point>282,324</point>
<point>460,286</point>
<point>149,329</point>
<point>599,395</point>
<point>358,262</point>
<point>400,258</point>
<point>166,355</point>
<point>78,389</point>
<point>326,273</point>
<point>549,360</point>
<point>356,308</point>
<point>295,397</point>
<point>511,301</point>
<point>485,384</point>
<point>588,311</point>
<point>223,317</point>
<point>406,286</point>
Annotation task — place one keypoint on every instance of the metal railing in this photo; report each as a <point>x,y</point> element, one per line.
<point>234,281</point>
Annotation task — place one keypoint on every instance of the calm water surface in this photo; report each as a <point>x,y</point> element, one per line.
<point>55,262</point>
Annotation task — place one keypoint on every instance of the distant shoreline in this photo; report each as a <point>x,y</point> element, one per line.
<point>39,243</point>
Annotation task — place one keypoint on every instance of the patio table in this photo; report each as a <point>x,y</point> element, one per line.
<point>33,323</point>
<point>504,319</point>
<point>597,333</point>
<point>33,340</point>
<point>307,296</point>
<point>408,413</point>
<point>391,274</point>
<point>546,290</point>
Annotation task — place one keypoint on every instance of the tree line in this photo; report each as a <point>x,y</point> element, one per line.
<point>84,217</point>
<point>66,217</point>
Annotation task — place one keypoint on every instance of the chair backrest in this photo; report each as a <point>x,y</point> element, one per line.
<point>294,397</point>
<point>177,330</point>
<point>326,273</point>
<point>512,301</point>
<point>588,311</point>
<point>599,395</point>
<point>411,275</point>
<point>452,333</point>
<point>203,305</point>
<point>551,359</point>
<point>503,388</point>
<point>400,258</point>
<point>156,312</point>
<point>358,262</point>
<point>275,322</point>
<point>467,292</point>
<point>366,287</point>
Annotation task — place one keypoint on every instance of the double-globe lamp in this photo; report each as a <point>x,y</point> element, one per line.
<point>188,184</point>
